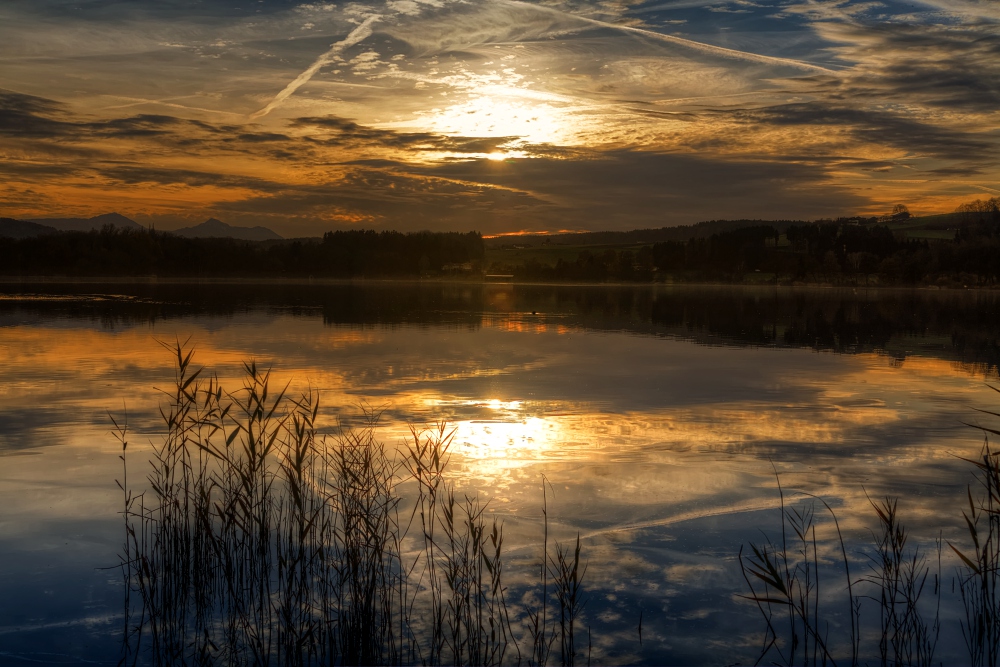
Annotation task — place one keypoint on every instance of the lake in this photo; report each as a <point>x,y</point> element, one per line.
<point>657,414</point>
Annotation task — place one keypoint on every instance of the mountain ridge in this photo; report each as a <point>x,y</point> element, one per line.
<point>88,224</point>
<point>23,229</point>
<point>215,228</point>
<point>211,228</point>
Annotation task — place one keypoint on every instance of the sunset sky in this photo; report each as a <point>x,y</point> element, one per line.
<point>495,115</point>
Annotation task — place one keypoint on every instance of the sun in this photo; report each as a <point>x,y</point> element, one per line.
<point>488,116</point>
<point>520,117</point>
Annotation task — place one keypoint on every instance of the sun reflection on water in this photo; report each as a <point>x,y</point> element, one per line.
<point>493,435</point>
<point>506,444</point>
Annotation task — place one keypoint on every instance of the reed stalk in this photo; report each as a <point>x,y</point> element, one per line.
<point>790,595</point>
<point>260,542</point>
<point>900,575</point>
<point>979,575</point>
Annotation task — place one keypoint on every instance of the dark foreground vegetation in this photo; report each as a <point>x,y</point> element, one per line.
<point>116,251</point>
<point>901,587</point>
<point>260,542</point>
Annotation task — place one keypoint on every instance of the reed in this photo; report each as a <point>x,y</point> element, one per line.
<point>788,574</point>
<point>900,583</point>
<point>259,542</point>
<point>462,559</point>
<point>567,577</point>
<point>788,599</point>
<point>899,575</point>
<point>979,574</point>
<point>537,615</point>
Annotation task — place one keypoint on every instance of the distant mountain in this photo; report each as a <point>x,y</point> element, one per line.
<point>22,229</point>
<point>88,224</point>
<point>213,228</point>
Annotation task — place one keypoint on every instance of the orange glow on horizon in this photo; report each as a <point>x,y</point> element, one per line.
<point>529,232</point>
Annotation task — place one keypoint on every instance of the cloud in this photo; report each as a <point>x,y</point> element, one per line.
<point>609,114</point>
<point>877,127</point>
<point>595,190</point>
<point>262,137</point>
<point>38,172</point>
<point>333,131</point>
<point>582,188</point>
<point>966,9</point>
<point>357,35</point>
<point>133,175</point>
<point>132,127</point>
<point>619,187</point>
<point>342,131</point>
<point>918,59</point>
<point>29,116</point>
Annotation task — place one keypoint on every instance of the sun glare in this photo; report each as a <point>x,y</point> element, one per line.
<point>497,404</point>
<point>501,443</point>
<point>505,114</point>
<point>496,435</point>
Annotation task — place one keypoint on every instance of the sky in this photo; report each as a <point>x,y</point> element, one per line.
<point>498,116</point>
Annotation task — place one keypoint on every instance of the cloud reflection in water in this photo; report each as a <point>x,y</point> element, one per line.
<point>657,449</point>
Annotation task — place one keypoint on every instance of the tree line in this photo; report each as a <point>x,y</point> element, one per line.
<point>342,254</point>
<point>847,251</point>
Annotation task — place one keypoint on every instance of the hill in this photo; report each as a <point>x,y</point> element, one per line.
<point>213,228</point>
<point>22,229</point>
<point>87,224</point>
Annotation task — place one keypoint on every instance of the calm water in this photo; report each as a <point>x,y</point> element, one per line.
<point>655,414</point>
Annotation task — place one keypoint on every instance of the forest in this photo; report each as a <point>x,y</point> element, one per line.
<point>963,250</point>
<point>342,254</point>
<point>848,251</point>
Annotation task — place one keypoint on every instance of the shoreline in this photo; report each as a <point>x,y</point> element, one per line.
<point>152,280</point>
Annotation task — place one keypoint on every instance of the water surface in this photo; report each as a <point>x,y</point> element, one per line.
<point>655,413</point>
